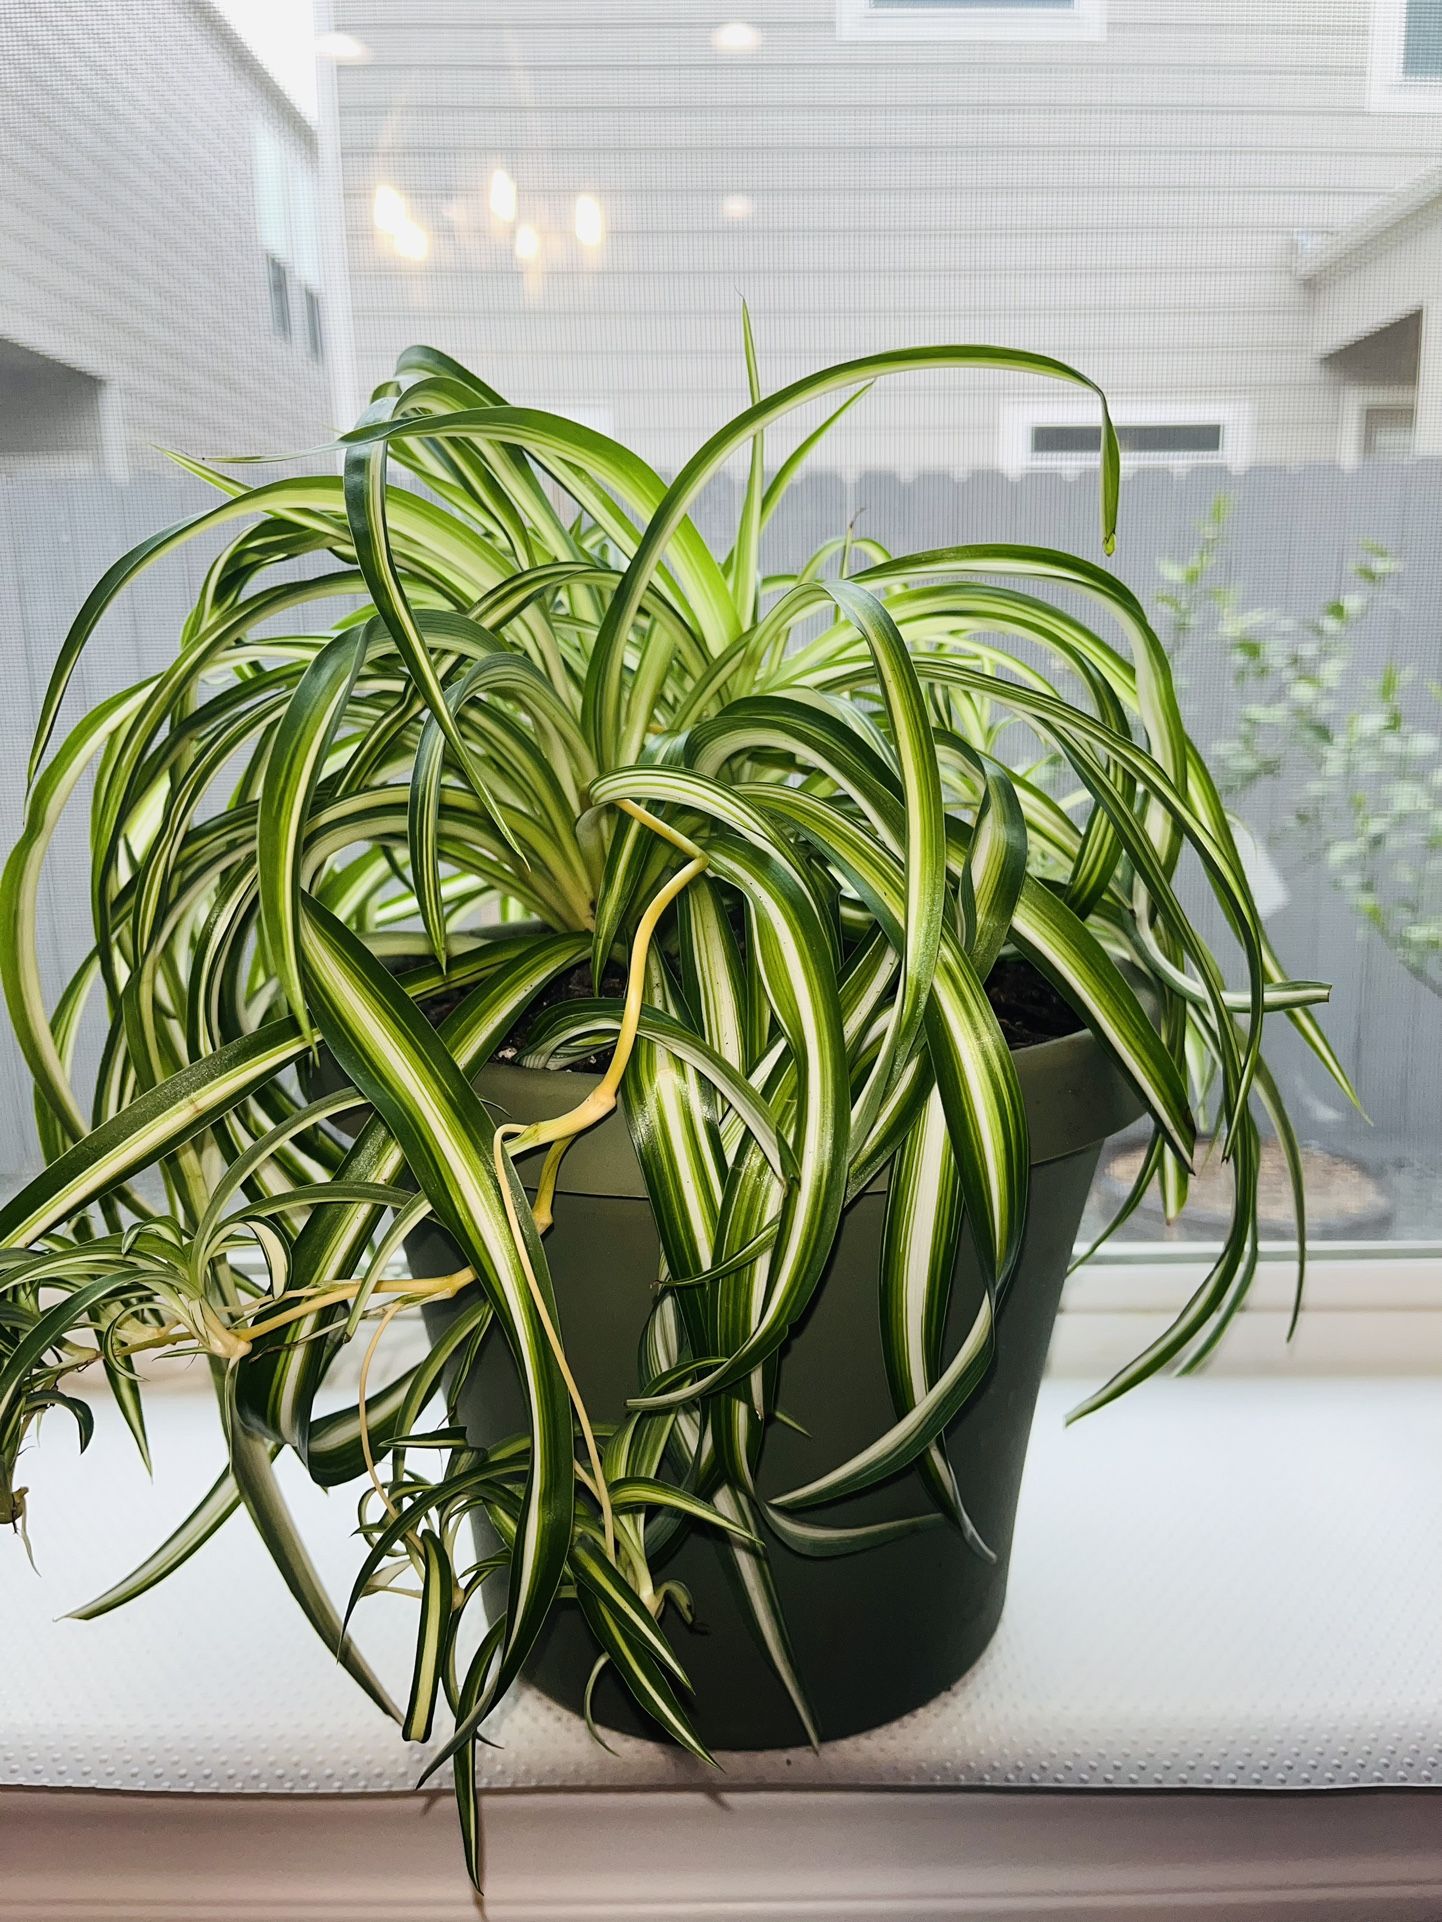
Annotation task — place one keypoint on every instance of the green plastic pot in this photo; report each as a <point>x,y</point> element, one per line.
<point>875,1634</point>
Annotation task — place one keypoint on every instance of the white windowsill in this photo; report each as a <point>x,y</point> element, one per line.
<point>1222,1584</point>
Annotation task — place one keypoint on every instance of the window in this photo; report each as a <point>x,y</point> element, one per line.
<point>285,213</point>
<point>1166,434</point>
<point>1422,40</point>
<point>278,283</point>
<point>1387,432</point>
<point>1379,422</point>
<point>1405,69</point>
<point>314,338</point>
<point>1185,438</point>
<point>971,19</point>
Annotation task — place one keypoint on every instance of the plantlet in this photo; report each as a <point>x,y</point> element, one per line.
<point>795,813</point>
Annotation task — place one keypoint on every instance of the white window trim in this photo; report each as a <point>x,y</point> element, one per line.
<point>1388,88</point>
<point>1355,403</point>
<point>861,20</point>
<point>1369,1308</point>
<point>1019,417</point>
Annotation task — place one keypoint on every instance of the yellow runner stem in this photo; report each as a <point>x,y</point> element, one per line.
<point>558,1133</point>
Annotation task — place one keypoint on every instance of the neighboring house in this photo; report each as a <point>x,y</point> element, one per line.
<point>160,277</point>
<point>573,197</point>
<point>1376,302</point>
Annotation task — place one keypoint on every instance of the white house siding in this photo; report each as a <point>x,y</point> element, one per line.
<point>129,246</point>
<point>1131,205</point>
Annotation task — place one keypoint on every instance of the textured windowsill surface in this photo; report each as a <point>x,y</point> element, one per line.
<point>1218,1584</point>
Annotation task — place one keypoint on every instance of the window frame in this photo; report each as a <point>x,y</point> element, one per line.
<point>1369,1308</point>
<point>313,321</point>
<point>1075,20</point>
<point>277,293</point>
<point>1389,88</point>
<point>1020,417</point>
<point>1357,401</point>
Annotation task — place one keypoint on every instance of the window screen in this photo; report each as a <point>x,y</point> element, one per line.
<point>214,244</point>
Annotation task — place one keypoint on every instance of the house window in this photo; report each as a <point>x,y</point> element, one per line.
<point>1405,67</point>
<point>1181,439</point>
<point>285,215</point>
<point>1378,422</point>
<point>314,338</point>
<point>1387,433</point>
<point>1067,434</point>
<point>278,283</point>
<point>1422,40</point>
<point>971,19</point>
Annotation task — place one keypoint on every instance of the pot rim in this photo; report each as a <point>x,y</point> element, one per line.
<point>1073,1092</point>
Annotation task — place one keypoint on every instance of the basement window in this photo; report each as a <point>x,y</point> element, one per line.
<point>1187,440</point>
<point>1038,435</point>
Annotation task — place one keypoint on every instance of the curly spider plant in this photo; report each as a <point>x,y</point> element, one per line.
<point>796,821</point>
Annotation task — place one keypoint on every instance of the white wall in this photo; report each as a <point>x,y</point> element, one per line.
<point>129,247</point>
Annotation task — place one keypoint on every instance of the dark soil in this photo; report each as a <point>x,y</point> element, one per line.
<point>575,986</point>
<point>1027,1007</point>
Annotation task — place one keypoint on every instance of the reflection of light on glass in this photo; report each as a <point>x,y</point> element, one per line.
<point>590,221</point>
<point>736,36</point>
<point>737,207</point>
<point>503,196</point>
<point>528,241</point>
<point>393,217</point>
<point>343,48</point>
<point>411,241</point>
<point>390,211</point>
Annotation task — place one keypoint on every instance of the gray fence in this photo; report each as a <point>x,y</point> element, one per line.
<point>1291,535</point>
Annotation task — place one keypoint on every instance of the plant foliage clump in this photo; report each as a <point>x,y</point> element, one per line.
<point>806,813</point>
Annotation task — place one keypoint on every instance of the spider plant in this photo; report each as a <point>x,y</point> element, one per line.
<point>803,813</point>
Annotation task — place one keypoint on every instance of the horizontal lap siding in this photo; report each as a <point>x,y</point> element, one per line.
<point>1131,205</point>
<point>128,239</point>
